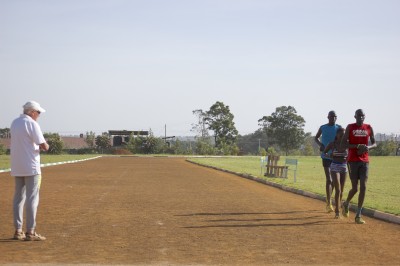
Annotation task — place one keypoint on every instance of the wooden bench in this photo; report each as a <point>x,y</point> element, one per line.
<point>272,168</point>
<point>290,165</point>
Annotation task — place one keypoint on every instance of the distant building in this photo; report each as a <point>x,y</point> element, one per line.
<point>121,137</point>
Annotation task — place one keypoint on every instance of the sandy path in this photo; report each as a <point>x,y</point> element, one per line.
<point>133,210</point>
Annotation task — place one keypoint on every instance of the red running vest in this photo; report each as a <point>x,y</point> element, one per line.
<point>358,135</point>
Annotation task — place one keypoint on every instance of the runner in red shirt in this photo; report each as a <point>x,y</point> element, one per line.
<point>356,138</point>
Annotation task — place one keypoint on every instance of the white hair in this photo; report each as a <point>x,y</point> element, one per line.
<point>27,110</point>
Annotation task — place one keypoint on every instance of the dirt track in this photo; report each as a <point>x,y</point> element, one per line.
<point>132,210</point>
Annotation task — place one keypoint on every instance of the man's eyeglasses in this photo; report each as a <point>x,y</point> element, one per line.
<point>37,112</point>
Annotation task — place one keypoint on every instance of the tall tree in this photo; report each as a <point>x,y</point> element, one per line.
<point>284,127</point>
<point>220,120</point>
<point>90,139</point>
<point>204,144</point>
<point>200,126</point>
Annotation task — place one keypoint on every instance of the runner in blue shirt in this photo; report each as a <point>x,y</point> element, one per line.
<point>326,134</point>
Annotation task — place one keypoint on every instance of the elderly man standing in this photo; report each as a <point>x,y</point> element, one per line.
<point>26,142</point>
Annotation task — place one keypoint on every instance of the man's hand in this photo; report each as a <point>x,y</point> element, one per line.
<point>361,149</point>
<point>44,146</point>
<point>322,147</point>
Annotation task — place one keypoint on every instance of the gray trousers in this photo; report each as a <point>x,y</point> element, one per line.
<point>26,195</point>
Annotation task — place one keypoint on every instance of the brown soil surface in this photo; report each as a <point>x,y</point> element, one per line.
<point>166,211</point>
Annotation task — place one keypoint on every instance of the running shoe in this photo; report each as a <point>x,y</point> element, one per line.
<point>19,236</point>
<point>34,237</point>
<point>345,210</point>
<point>329,208</point>
<point>337,216</point>
<point>359,220</point>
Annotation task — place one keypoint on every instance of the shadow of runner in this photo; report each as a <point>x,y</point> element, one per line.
<point>244,213</point>
<point>317,215</point>
<point>256,225</point>
<point>260,219</point>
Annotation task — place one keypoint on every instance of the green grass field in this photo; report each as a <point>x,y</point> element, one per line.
<point>45,158</point>
<point>383,188</point>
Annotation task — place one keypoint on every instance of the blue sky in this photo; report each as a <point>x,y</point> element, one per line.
<point>97,65</point>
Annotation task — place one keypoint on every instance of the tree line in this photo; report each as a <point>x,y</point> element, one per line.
<point>281,132</point>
